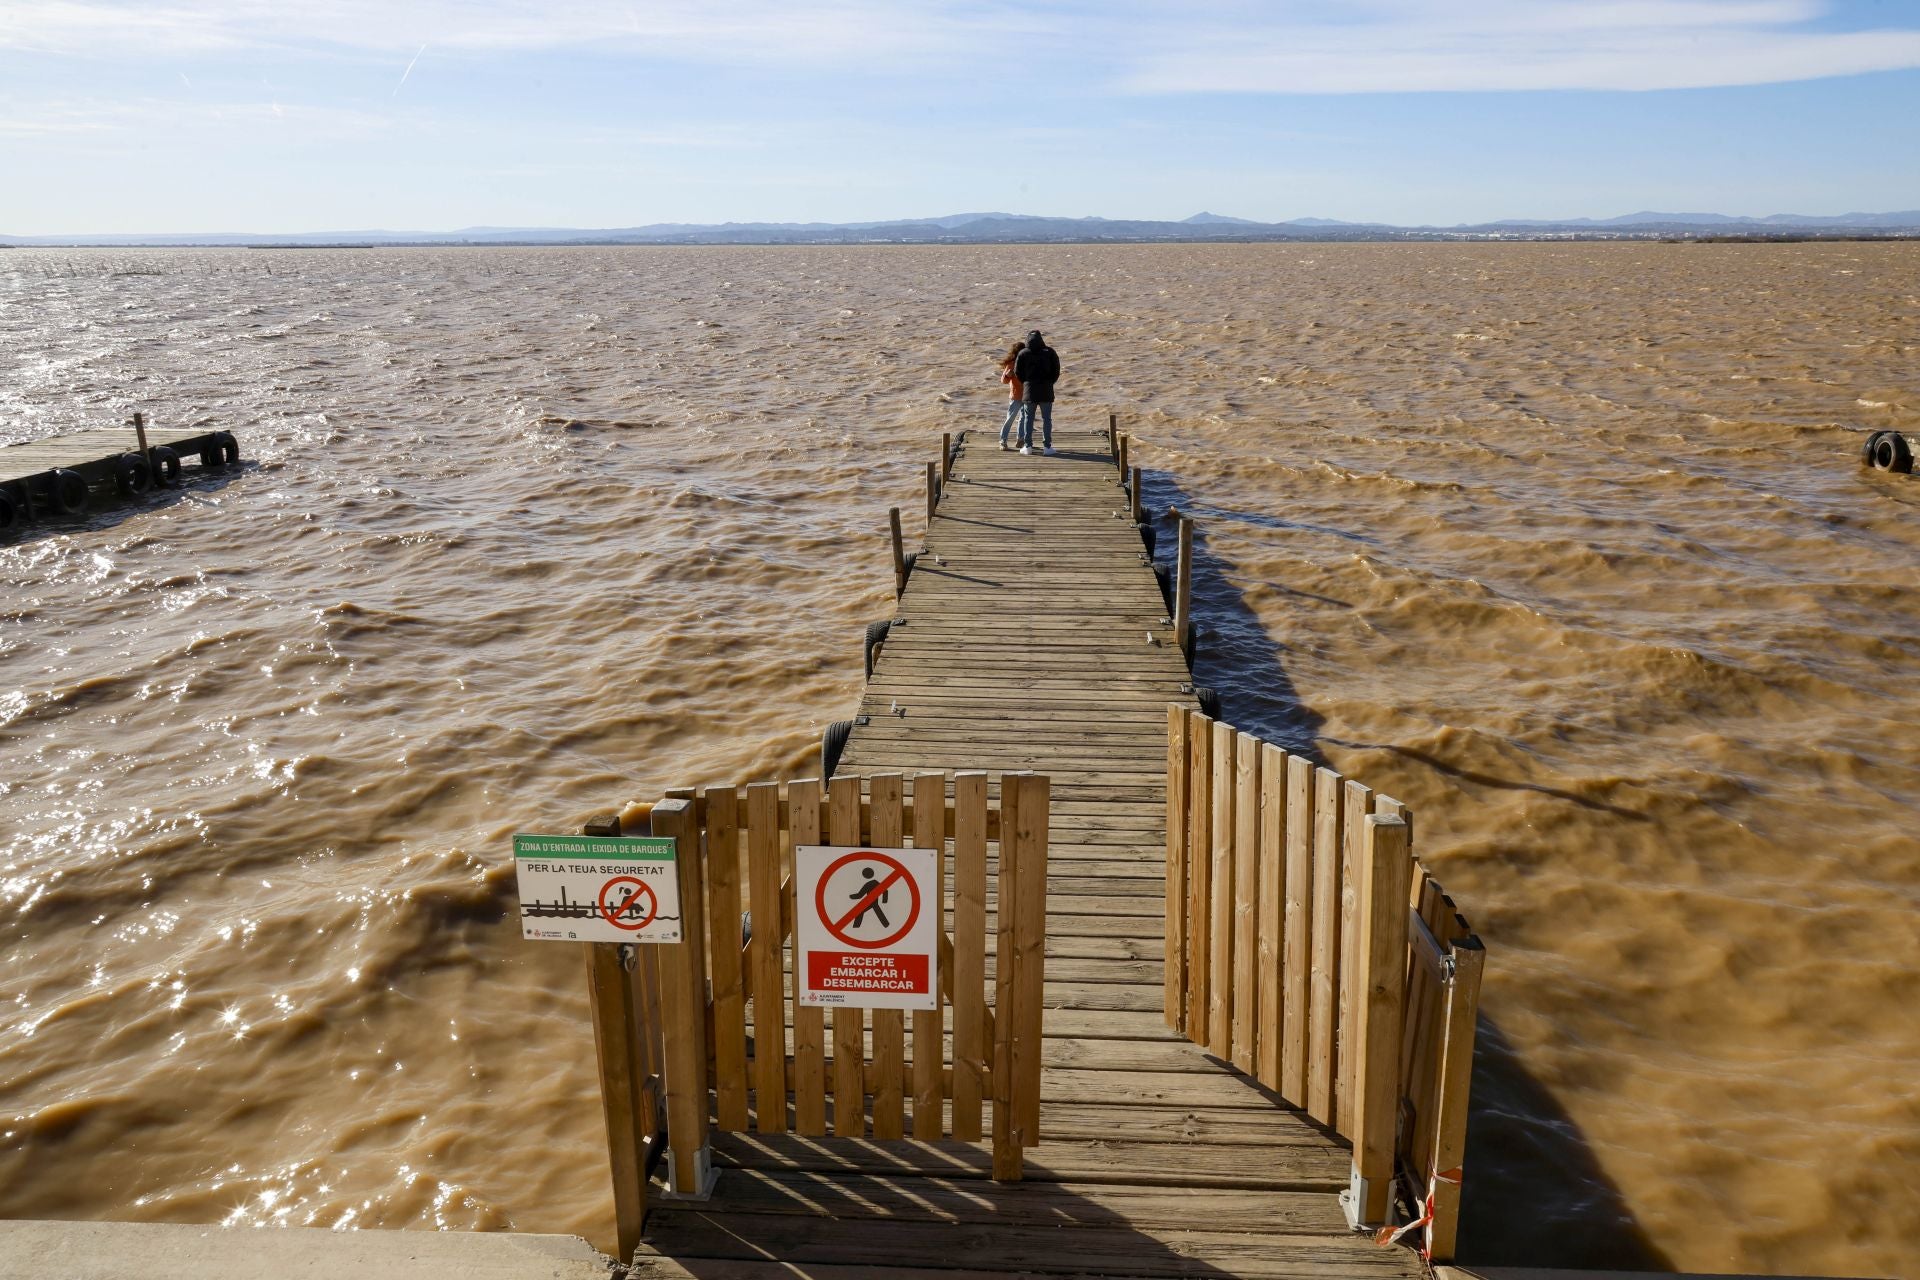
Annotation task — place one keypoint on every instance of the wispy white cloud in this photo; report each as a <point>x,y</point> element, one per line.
<point>112,120</point>
<point>718,31</point>
<point>1139,46</point>
<point>1400,46</point>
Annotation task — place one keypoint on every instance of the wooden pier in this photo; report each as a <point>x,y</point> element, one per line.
<point>1191,1112</point>
<point>65,475</point>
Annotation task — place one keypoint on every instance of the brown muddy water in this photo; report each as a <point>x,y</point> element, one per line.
<point>1566,545</point>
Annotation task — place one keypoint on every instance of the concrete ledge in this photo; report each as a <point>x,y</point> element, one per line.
<point>166,1251</point>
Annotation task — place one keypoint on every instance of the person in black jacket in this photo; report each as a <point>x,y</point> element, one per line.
<point>1038,368</point>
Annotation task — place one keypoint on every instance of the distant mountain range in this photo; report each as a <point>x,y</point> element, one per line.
<point>1020,228</point>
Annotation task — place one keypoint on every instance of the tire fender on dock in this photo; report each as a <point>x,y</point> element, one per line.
<point>69,492</point>
<point>229,447</point>
<point>132,475</point>
<point>832,743</point>
<point>166,466</point>
<point>9,512</point>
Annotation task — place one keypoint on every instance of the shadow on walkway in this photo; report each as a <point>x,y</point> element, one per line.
<point>1536,1195</point>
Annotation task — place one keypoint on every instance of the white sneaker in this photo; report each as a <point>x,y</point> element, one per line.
<point>1026,451</point>
<point>1049,451</point>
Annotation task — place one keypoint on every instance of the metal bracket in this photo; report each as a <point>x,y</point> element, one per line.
<point>703,1170</point>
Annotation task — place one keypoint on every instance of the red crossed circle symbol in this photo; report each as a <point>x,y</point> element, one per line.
<point>895,870</point>
<point>628,913</point>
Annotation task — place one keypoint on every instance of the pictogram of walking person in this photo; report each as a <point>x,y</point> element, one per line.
<point>865,888</point>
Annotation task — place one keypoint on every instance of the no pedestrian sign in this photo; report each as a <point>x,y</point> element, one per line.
<point>598,888</point>
<point>869,927</point>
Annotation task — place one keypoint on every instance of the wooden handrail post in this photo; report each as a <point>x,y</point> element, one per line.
<point>1120,455</point>
<point>899,554</point>
<point>1387,869</point>
<point>140,432</point>
<point>623,1100</point>
<point>933,491</point>
<point>1450,1096</point>
<point>1183,590</point>
<point>946,455</point>
<point>683,1007</point>
<point>1139,505</point>
<point>1113,428</point>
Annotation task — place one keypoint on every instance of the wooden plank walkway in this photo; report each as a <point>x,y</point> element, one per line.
<point>1022,642</point>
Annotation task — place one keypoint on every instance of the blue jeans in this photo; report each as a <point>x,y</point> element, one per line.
<point>1026,424</point>
<point>1013,413</point>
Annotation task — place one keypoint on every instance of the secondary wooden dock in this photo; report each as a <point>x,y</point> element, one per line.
<point>1033,635</point>
<point>63,475</point>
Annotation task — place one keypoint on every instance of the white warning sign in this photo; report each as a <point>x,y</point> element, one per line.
<point>598,888</point>
<point>868,932</point>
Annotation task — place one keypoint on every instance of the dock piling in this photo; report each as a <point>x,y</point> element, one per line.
<point>1183,589</point>
<point>899,553</point>
<point>1139,506</point>
<point>933,490</point>
<point>946,455</point>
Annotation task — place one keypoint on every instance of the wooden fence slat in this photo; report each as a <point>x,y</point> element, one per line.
<point>970,1045</point>
<point>1325,1001</point>
<point>1246,899</point>
<point>1299,931</point>
<point>929,1041</point>
<point>1220,875</point>
<point>1029,955</point>
<point>684,1007</point>
<point>1199,872</point>
<point>764,956</point>
<point>723,927</point>
<point>1272,910</point>
<point>651,1049</point>
<point>849,1025</point>
<point>1357,801</point>
<point>1385,868</point>
<point>1455,1080</point>
<point>1007,1163</point>
<point>889,1025</point>
<point>809,1021</point>
<point>1175,1001</point>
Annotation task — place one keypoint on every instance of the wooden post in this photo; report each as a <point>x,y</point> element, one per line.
<point>1139,504</point>
<point>1183,591</point>
<point>683,1000</point>
<point>1450,1096</point>
<point>1323,1004</point>
<point>1120,456</point>
<point>933,492</point>
<point>728,986</point>
<point>946,455</point>
<point>899,554</point>
<point>1113,428</point>
<point>140,434</point>
<point>1220,975</point>
<point>1008,1163</point>
<point>1387,865</point>
<point>615,1033</point>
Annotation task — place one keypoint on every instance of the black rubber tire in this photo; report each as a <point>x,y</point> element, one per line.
<point>1150,537</point>
<point>1209,700</point>
<point>210,459</point>
<point>832,743</point>
<point>166,466</point>
<point>229,448</point>
<point>876,636</point>
<point>132,475</point>
<point>68,489</point>
<point>912,558</point>
<point>9,512</point>
<point>1891,452</point>
<point>1866,450</point>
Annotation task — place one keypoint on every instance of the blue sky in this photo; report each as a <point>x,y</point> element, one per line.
<point>288,115</point>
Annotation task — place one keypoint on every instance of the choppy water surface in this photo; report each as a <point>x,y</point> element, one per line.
<point>1563,544</point>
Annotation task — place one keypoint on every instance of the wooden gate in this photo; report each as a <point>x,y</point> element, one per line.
<point>1306,945</point>
<point>707,1034</point>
